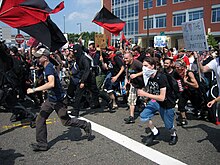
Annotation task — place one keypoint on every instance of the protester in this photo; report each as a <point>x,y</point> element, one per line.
<point>56,101</point>
<point>158,90</point>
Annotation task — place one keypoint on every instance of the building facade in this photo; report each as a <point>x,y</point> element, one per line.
<point>165,17</point>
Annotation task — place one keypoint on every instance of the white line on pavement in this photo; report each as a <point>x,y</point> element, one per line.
<point>135,146</point>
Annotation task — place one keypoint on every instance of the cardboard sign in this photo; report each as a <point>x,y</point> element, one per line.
<point>100,40</point>
<point>194,35</point>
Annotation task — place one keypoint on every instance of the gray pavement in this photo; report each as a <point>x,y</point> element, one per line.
<point>198,143</point>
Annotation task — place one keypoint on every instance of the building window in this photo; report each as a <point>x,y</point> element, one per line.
<point>161,2</point>
<point>123,1</point>
<point>136,9</point>
<point>161,22</point>
<point>117,12</point>
<point>177,1</point>
<point>178,19</point>
<point>150,25</point>
<point>136,26</point>
<point>150,4</point>
<point>216,14</point>
<point>131,10</point>
<point>123,12</point>
<point>195,15</point>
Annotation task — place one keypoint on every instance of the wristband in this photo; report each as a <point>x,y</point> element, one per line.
<point>34,89</point>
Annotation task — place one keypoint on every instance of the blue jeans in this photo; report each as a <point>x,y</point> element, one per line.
<point>167,115</point>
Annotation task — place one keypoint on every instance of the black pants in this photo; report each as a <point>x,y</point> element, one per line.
<point>90,86</point>
<point>194,97</point>
<point>61,110</point>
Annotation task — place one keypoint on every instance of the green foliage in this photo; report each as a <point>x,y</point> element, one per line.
<point>211,41</point>
<point>85,36</point>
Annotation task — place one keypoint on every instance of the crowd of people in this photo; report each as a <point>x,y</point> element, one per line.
<point>148,81</point>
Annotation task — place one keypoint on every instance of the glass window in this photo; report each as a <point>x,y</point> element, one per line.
<point>136,26</point>
<point>123,12</point>
<point>150,4</point>
<point>161,2</point>
<point>113,2</point>
<point>216,14</point>
<point>178,19</point>
<point>161,22</point>
<point>195,15</point>
<point>177,1</point>
<point>150,25</point>
<point>131,10</point>
<point>136,9</point>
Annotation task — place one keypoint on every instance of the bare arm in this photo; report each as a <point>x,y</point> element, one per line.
<point>50,84</point>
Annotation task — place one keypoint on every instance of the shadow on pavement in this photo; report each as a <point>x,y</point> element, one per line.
<point>72,134</point>
<point>7,157</point>
<point>213,135</point>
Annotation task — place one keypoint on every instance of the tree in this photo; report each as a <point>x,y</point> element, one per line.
<point>211,41</point>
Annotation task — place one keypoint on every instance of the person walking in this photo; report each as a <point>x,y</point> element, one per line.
<point>56,101</point>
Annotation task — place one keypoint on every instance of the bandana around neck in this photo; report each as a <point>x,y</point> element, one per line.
<point>147,73</point>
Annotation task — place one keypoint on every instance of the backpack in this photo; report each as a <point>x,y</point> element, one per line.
<point>174,90</point>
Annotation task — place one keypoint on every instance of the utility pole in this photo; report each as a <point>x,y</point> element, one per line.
<point>64,24</point>
<point>148,39</point>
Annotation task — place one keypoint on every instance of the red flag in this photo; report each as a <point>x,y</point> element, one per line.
<point>122,37</point>
<point>32,16</point>
<point>109,21</point>
<point>32,42</point>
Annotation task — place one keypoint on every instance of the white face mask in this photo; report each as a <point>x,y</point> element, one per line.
<point>147,73</point>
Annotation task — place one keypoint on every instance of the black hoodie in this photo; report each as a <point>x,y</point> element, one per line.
<point>83,62</point>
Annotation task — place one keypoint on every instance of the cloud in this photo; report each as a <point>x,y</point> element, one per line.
<point>77,15</point>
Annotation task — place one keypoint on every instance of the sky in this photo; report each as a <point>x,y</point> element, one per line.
<point>75,12</point>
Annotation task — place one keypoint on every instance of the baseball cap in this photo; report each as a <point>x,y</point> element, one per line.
<point>42,52</point>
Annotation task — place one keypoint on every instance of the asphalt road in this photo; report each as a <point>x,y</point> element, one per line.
<point>199,142</point>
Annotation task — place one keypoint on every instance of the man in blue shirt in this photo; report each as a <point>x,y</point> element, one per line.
<point>56,101</point>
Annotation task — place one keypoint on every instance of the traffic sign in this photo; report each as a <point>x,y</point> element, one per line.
<point>19,38</point>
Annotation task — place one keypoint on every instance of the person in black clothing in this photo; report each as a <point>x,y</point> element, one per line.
<point>87,81</point>
<point>56,101</point>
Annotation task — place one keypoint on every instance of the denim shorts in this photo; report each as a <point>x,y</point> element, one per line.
<point>152,107</point>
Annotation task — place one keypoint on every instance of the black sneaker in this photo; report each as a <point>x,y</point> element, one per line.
<point>151,138</point>
<point>129,120</point>
<point>173,140</point>
<point>182,122</point>
<point>37,147</point>
<point>88,131</point>
<point>73,114</point>
<point>110,107</point>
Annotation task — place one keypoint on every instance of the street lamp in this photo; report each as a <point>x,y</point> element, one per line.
<point>80,27</point>
<point>64,24</point>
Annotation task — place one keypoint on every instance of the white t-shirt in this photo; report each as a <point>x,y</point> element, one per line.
<point>215,66</point>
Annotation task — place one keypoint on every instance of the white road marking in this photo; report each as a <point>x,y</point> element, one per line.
<point>135,146</point>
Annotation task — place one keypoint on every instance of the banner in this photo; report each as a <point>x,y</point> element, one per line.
<point>194,35</point>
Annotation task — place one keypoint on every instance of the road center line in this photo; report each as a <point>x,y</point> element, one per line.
<point>135,146</point>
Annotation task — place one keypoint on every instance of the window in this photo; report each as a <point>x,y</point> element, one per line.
<point>177,1</point>
<point>117,12</point>
<point>216,14</point>
<point>150,25</point>
<point>123,12</point>
<point>131,10</point>
<point>161,22</point>
<point>178,19</point>
<point>150,4</point>
<point>161,2</point>
<point>136,26</point>
<point>195,15</point>
<point>136,9</point>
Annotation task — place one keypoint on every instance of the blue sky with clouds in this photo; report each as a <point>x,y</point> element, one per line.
<point>75,11</point>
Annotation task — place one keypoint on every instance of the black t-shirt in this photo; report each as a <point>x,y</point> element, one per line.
<point>158,82</point>
<point>117,63</point>
<point>134,68</point>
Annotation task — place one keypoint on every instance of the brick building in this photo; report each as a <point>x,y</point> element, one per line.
<point>165,17</point>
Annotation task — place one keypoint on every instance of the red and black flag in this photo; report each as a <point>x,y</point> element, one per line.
<point>109,21</point>
<point>32,17</point>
